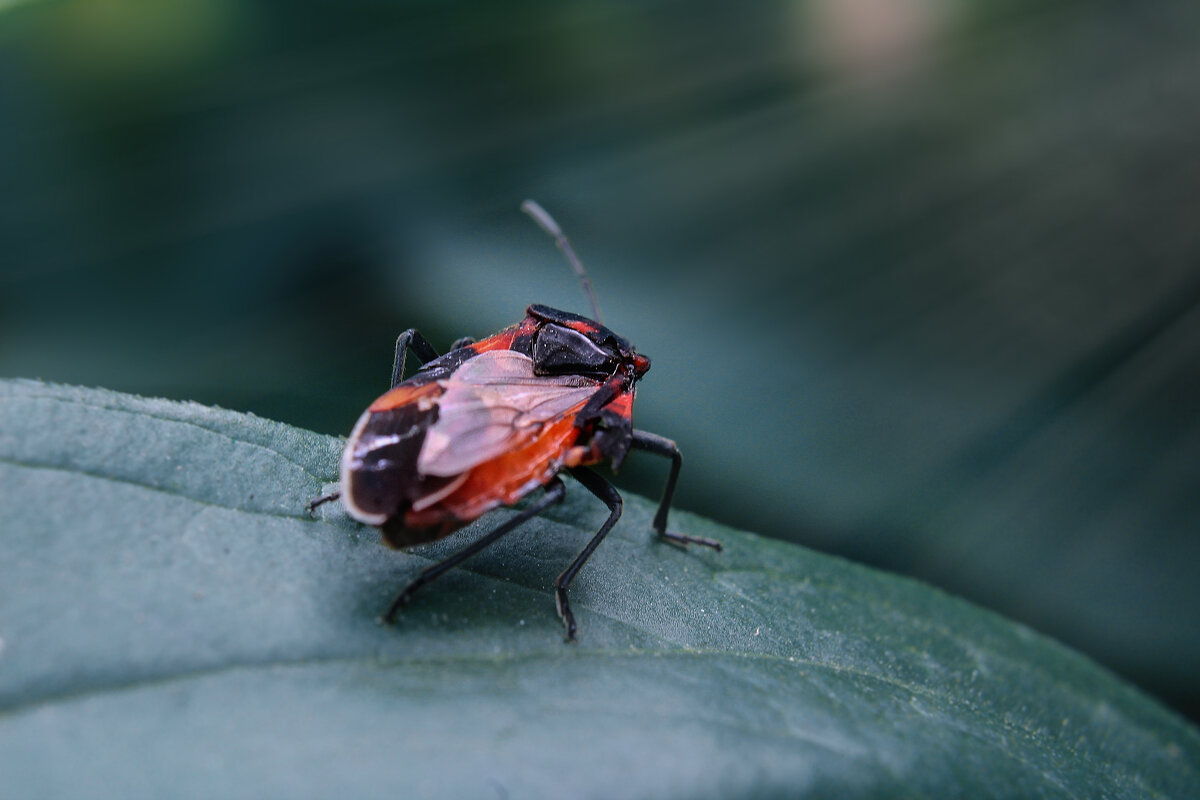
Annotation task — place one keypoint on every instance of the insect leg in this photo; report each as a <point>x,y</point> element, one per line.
<point>463,342</point>
<point>424,350</point>
<point>554,493</point>
<point>320,501</point>
<point>419,344</point>
<point>604,490</point>
<point>659,445</point>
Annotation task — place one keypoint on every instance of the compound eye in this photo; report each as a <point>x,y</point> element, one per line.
<point>561,351</point>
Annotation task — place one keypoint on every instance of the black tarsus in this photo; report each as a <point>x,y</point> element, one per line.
<point>662,446</point>
<point>420,346</point>
<point>322,500</point>
<point>604,490</point>
<point>554,494</point>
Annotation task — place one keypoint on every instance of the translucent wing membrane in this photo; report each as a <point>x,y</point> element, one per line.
<point>492,404</point>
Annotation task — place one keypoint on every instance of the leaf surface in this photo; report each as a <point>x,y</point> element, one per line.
<point>172,623</point>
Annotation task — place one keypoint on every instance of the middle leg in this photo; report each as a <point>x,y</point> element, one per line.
<point>554,493</point>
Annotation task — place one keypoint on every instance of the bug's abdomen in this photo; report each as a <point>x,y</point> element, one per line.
<point>379,466</point>
<point>504,480</point>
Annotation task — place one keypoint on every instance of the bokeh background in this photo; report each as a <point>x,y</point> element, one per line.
<point>920,278</point>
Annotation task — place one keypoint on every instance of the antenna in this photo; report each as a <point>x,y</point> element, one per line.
<point>547,223</point>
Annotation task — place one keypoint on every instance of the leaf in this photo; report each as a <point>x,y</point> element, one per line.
<point>174,624</point>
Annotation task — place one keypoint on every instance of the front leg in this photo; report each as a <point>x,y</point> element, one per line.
<point>419,344</point>
<point>659,445</point>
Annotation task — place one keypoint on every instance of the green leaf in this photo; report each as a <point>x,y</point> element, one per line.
<point>175,624</point>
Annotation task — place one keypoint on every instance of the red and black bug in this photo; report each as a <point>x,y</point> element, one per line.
<point>493,420</point>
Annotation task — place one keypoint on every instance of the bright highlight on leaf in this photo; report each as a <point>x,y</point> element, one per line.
<point>174,623</point>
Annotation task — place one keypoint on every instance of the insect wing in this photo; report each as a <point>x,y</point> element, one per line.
<point>379,474</point>
<point>492,404</point>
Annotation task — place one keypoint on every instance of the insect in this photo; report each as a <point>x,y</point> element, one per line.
<point>493,421</point>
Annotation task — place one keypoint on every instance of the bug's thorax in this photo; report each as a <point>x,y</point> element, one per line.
<point>565,343</point>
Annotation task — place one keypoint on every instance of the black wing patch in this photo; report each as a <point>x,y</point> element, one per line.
<point>379,473</point>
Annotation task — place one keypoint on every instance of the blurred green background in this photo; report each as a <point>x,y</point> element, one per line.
<point>920,279</point>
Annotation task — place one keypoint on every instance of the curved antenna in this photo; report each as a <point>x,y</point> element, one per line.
<point>547,223</point>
